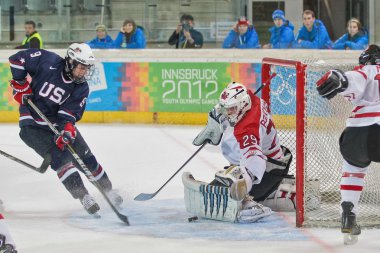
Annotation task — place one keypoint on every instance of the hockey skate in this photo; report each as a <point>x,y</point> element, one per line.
<point>115,198</point>
<point>252,211</point>
<point>349,228</point>
<point>90,204</point>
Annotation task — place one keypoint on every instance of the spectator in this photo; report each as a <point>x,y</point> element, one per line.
<point>102,40</point>
<point>33,38</point>
<point>281,33</point>
<point>312,34</point>
<point>356,38</point>
<point>242,36</point>
<point>185,36</point>
<point>130,36</point>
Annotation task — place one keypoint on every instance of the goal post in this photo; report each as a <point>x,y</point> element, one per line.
<point>299,68</point>
<point>310,126</point>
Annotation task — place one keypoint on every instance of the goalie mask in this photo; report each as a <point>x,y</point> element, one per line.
<point>79,63</point>
<point>370,56</point>
<point>235,102</point>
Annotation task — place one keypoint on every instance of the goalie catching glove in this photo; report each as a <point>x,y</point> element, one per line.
<point>333,82</point>
<point>213,132</point>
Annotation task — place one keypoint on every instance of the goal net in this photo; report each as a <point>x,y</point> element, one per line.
<point>310,126</point>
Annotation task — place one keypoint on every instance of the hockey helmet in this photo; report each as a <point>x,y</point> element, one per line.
<point>234,102</point>
<point>370,56</point>
<point>79,53</point>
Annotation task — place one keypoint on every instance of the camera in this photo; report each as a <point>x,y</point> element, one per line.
<point>186,26</point>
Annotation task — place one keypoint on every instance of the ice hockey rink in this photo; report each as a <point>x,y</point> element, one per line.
<point>43,217</point>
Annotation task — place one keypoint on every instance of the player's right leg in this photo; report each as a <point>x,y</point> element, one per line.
<point>42,141</point>
<point>355,147</point>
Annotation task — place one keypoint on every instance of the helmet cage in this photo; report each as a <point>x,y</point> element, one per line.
<point>370,56</point>
<point>71,65</point>
<point>234,103</point>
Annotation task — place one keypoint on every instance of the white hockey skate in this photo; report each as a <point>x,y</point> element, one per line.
<point>90,204</point>
<point>252,211</point>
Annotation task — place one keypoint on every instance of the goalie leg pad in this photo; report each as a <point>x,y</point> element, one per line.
<point>213,202</point>
<point>209,201</point>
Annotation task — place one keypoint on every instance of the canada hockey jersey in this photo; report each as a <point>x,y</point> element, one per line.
<point>252,140</point>
<point>60,99</point>
<point>364,92</point>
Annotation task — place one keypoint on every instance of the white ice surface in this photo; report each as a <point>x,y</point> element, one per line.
<point>43,217</point>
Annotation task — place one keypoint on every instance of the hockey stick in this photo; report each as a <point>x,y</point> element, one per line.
<point>44,166</point>
<point>147,196</point>
<point>86,171</point>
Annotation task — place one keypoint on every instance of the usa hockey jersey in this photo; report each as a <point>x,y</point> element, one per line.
<point>60,99</point>
<point>252,140</point>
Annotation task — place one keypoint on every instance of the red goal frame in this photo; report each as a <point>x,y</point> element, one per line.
<point>300,123</point>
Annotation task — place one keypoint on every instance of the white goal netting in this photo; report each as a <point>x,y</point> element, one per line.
<point>324,121</point>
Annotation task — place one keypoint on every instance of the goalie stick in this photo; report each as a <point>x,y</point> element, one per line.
<point>147,196</point>
<point>42,169</point>
<point>87,172</point>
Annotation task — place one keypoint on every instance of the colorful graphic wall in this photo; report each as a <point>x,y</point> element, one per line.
<point>168,87</point>
<point>154,86</point>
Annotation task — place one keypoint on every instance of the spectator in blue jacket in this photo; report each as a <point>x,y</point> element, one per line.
<point>356,38</point>
<point>281,33</point>
<point>313,34</point>
<point>130,36</point>
<point>242,36</point>
<point>102,40</point>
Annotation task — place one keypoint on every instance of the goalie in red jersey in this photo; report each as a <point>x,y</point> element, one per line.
<point>258,164</point>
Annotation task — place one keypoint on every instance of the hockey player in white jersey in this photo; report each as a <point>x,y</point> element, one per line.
<point>258,163</point>
<point>7,244</point>
<point>359,142</point>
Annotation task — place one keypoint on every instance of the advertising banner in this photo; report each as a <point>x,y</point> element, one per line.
<point>153,86</point>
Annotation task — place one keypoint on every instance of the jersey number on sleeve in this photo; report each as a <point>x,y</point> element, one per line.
<point>249,140</point>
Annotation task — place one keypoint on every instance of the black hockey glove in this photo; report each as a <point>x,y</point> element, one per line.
<point>6,248</point>
<point>333,82</point>
<point>213,132</point>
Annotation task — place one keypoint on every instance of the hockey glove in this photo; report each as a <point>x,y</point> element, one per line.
<point>67,136</point>
<point>21,91</point>
<point>6,248</point>
<point>213,132</point>
<point>238,179</point>
<point>333,82</point>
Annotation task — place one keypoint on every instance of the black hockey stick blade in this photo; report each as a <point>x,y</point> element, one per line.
<point>42,169</point>
<point>122,217</point>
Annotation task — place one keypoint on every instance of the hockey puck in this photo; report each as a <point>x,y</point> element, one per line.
<point>194,218</point>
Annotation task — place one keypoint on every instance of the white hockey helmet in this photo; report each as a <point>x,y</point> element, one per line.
<point>234,102</point>
<point>79,53</point>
